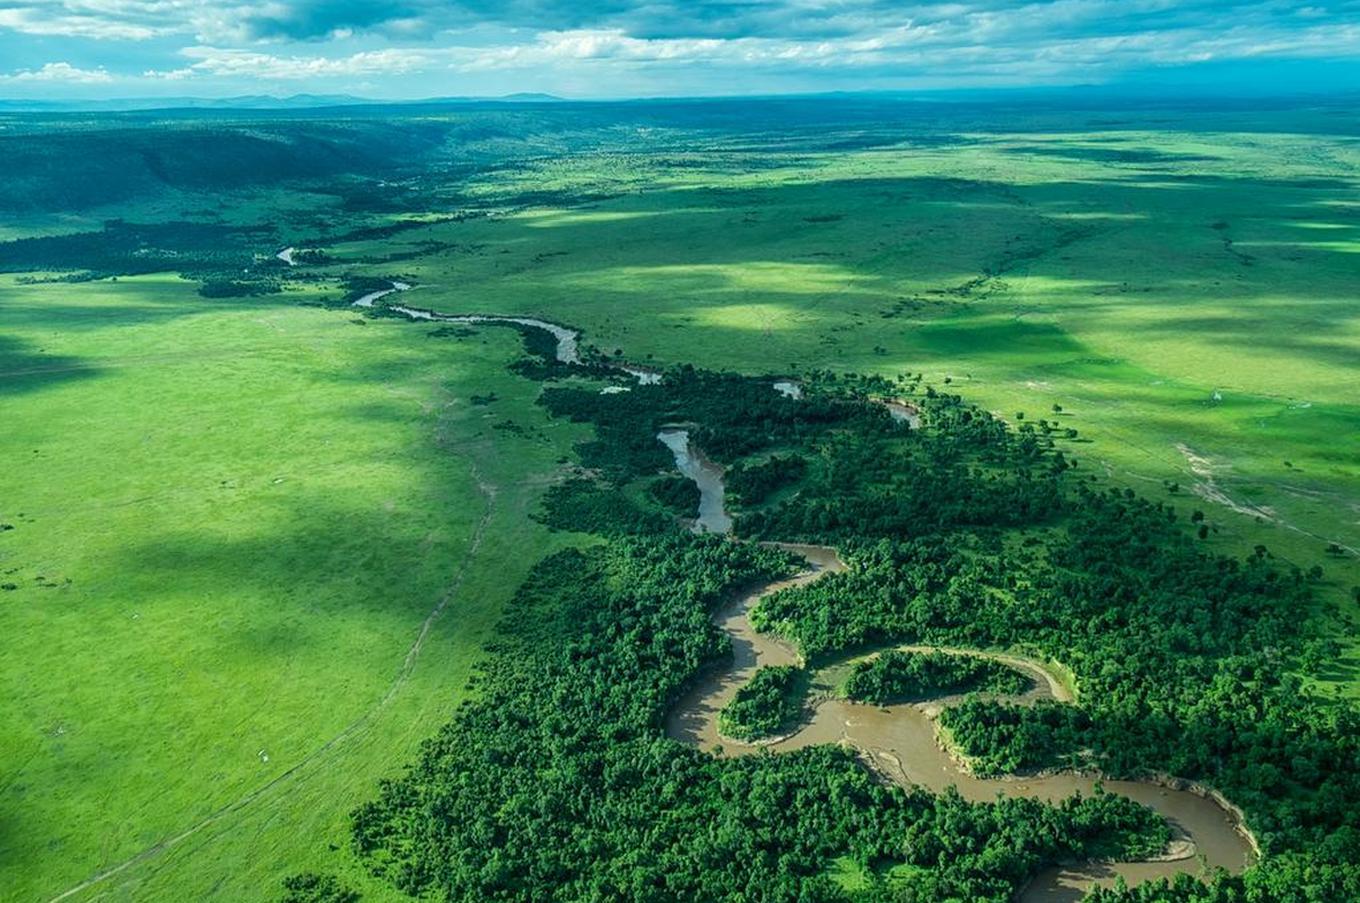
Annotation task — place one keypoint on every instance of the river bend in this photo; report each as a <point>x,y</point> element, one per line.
<point>899,741</point>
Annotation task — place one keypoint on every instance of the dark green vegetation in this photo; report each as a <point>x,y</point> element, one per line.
<point>583,798</point>
<point>966,533</point>
<point>1006,739</point>
<point>752,484</point>
<point>310,888</point>
<point>1182,656</point>
<point>969,852</point>
<point>676,493</point>
<point>1283,879</point>
<point>127,249</point>
<point>895,676</point>
<point>772,701</point>
<point>733,416</point>
<point>57,169</point>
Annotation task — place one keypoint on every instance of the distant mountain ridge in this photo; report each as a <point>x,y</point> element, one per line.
<point>248,102</point>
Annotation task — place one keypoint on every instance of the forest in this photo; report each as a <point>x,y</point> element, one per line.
<point>770,702</point>
<point>556,784</point>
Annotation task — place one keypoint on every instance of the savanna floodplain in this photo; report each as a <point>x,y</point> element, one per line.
<point>255,549</point>
<point>257,542</point>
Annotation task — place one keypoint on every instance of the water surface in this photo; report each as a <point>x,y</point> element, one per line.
<point>712,516</point>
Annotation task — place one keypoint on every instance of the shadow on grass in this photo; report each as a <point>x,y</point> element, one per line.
<point>26,368</point>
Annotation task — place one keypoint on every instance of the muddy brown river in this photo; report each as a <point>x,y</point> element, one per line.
<point>899,741</point>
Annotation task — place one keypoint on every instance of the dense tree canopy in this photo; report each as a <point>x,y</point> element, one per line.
<point>557,783</point>
<point>897,676</point>
<point>771,701</point>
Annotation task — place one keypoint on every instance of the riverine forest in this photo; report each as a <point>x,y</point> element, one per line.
<point>769,473</point>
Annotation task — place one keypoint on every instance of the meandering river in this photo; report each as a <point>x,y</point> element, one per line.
<point>568,351</point>
<point>900,741</point>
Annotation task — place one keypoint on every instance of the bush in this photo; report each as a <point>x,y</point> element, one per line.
<point>753,483</point>
<point>677,493</point>
<point>232,288</point>
<point>312,888</point>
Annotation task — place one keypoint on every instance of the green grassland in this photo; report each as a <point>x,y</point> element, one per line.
<point>1191,311</point>
<point>232,517</point>
<point>230,524</point>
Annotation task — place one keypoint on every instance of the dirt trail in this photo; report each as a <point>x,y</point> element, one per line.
<point>1208,488</point>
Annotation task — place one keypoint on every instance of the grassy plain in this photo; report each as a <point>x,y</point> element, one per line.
<point>231,523</point>
<point>1187,298</point>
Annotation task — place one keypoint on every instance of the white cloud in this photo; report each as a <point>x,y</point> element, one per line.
<point>60,72</point>
<point>37,21</point>
<point>935,48</point>
<point>903,44</point>
<point>248,64</point>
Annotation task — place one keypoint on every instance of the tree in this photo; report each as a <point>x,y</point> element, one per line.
<point>312,888</point>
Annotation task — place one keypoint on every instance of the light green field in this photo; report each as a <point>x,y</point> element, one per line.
<point>1193,311</point>
<point>231,523</point>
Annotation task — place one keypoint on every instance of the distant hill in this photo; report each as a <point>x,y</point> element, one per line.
<point>80,167</point>
<point>246,102</point>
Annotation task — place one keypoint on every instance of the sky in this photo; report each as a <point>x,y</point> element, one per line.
<point>407,49</point>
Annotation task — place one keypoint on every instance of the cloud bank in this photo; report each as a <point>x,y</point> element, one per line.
<point>406,48</point>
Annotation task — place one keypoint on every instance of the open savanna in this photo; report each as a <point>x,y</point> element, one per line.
<point>1186,296</point>
<point>232,524</point>
<point>233,518</point>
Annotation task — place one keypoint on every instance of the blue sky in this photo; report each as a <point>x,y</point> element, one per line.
<point>629,48</point>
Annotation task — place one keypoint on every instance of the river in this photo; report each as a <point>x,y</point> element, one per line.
<point>899,741</point>
<point>712,516</point>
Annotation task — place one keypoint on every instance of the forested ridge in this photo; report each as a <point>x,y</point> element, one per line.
<point>557,783</point>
